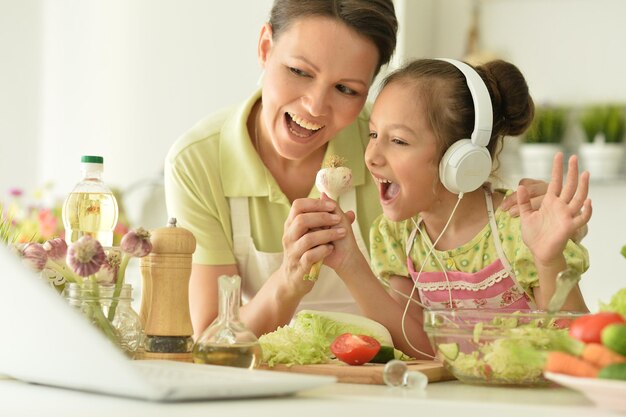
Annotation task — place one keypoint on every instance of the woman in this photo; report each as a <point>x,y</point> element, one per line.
<point>243,180</point>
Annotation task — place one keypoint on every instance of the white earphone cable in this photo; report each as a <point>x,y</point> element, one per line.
<point>410,297</point>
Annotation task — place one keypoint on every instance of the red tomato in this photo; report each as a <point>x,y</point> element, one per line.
<point>355,349</point>
<point>588,328</point>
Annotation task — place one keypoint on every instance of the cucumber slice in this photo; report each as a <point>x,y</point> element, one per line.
<point>615,371</point>
<point>450,351</point>
<point>384,355</point>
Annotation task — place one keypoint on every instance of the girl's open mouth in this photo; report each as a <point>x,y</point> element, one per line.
<point>388,190</point>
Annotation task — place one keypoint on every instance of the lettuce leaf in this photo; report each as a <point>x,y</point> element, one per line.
<point>617,303</point>
<point>307,340</point>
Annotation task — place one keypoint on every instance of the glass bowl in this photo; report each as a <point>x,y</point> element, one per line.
<point>496,346</point>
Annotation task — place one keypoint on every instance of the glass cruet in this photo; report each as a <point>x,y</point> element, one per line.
<point>227,341</point>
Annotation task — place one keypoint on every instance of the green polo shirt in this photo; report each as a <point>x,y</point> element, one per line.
<point>216,160</point>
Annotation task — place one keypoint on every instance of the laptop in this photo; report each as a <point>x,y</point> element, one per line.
<point>46,341</point>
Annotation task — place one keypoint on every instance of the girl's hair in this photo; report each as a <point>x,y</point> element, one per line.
<point>442,88</point>
<point>374,19</point>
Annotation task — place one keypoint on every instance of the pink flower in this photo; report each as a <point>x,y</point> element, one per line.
<point>15,192</point>
<point>47,223</point>
<point>137,242</point>
<point>480,302</point>
<point>121,229</point>
<point>85,256</point>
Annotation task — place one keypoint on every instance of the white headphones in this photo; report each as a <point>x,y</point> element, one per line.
<point>466,165</point>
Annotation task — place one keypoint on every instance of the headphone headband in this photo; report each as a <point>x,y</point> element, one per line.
<point>483,112</point>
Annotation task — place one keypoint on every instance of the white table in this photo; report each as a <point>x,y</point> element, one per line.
<point>345,400</point>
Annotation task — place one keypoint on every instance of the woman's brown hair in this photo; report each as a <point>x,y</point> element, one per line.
<point>374,19</point>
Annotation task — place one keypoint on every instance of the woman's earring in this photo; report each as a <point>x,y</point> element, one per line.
<point>259,82</point>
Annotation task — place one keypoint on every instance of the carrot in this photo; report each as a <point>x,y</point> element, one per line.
<point>564,363</point>
<point>601,356</point>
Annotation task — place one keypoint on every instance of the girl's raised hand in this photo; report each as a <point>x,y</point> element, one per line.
<point>564,209</point>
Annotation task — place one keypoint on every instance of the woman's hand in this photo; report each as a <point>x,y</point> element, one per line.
<point>563,210</point>
<point>308,233</point>
<point>536,189</point>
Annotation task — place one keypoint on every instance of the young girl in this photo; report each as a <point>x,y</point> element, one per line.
<point>453,243</point>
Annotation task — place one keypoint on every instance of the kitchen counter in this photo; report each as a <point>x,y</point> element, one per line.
<point>439,399</point>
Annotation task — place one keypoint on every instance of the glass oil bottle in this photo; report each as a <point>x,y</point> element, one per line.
<point>227,341</point>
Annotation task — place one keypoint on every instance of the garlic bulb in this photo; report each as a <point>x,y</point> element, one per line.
<point>137,242</point>
<point>109,269</point>
<point>33,255</point>
<point>333,179</point>
<point>85,256</point>
<point>56,249</point>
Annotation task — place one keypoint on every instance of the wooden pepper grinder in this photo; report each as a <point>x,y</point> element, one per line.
<point>164,308</point>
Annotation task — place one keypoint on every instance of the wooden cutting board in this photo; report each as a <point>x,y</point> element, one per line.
<point>370,373</point>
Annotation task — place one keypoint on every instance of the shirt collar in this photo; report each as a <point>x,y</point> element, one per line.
<point>242,171</point>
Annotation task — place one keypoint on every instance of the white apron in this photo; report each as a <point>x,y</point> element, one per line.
<point>329,292</point>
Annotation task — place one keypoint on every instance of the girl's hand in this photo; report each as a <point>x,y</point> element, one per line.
<point>307,236</point>
<point>564,209</point>
<point>345,251</point>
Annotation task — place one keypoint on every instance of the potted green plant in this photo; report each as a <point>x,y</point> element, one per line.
<point>602,152</point>
<point>543,140</point>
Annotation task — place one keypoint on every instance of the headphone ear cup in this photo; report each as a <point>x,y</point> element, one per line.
<point>464,167</point>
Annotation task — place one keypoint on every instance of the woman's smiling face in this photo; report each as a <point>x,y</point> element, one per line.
<point>402,154</point>
<point>317,77</point>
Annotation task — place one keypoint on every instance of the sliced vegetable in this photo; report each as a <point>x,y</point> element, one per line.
<point>518,356</point>
<point>339,322</point>
<point>588,328</point>
<point>600,355</point>
<point>614,337</point>
<point>355,349</point>
<point>307,340</point>
<point>564,363</point>
<point>615,371</point>
<point>450,351</point>
<point>384,355</point>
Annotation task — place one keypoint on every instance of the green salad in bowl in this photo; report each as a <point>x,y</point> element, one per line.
<point>496,346</point>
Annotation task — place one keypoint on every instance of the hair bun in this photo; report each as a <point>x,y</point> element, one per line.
<point>513,106</point>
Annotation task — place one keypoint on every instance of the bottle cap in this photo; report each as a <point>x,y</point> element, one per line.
<point>91,159</point>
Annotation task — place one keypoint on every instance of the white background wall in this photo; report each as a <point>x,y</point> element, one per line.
<point>124,78</point>
<point>119,78</point>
